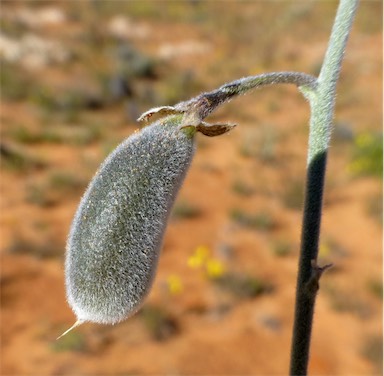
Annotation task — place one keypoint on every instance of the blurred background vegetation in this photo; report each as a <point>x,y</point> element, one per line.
<point>74,77</point>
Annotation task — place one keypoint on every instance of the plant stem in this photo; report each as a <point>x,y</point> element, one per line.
<point>322,101</point>
<point>195,110</point>
<point>204,104</point>
<point>321,95</point>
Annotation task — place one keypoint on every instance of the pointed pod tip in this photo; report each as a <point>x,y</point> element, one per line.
<point>76,324</point>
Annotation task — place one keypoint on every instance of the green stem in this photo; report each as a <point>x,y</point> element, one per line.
<point>322,101</point>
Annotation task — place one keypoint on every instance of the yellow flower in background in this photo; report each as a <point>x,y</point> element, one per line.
<point>174,284</point>
<point>199,257</point>
<point>214,268</point>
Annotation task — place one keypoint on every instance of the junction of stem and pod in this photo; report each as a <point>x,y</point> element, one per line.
<point>195,110</point>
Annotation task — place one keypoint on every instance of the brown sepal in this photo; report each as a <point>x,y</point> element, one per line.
<point>213,130</point>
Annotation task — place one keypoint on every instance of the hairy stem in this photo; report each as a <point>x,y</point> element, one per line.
<point>322,101</point>
<point>204,104</point>
<point>198,108</point>
<point>247,83</point>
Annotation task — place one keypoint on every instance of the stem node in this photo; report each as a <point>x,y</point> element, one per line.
<point>312,286</point>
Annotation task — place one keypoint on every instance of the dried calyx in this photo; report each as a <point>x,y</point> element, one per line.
<point>195,110</point>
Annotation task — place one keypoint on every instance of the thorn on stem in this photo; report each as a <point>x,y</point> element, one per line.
<point>312,285</point>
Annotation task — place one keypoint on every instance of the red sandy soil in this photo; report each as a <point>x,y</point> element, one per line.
<point>217,333</point>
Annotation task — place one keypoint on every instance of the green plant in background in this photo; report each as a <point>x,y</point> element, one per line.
<point>258,221</point>
<point>18,160</point>
<point>343,301</point>
<point>117,232</point>
<point>281,248</point>
<point>73,342</point>
<point>367,156</point>
<point>243,286</point>
<point>160,324</point>
<point>185,210</point>
<point>374,206</point>
<point>242,189</point>
<point>372,349</point>
<point>66,181</point>
<point>49,192</point>
<point>24,135</point>
<point>376,288</point>
<point>293,194</point>
<point>14,83</point>
<point>44,248</point>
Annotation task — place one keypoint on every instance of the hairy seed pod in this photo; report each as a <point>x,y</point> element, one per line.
<point>117,232</point>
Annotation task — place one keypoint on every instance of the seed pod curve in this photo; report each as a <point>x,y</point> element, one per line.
<point>117,232</point>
